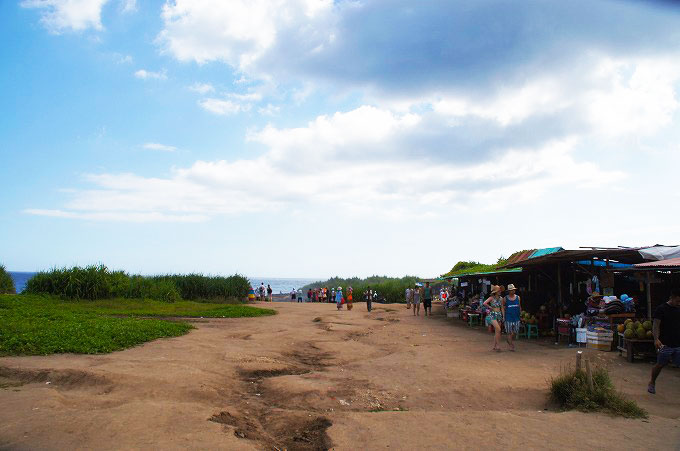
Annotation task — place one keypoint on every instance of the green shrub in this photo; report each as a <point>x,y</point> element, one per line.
<point>98,282</point>
<point>6,282</point>
<point>198,286</point>
<point>570,390</point>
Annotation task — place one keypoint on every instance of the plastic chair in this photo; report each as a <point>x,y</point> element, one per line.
<point>532,329</point>
<point>522,332</point>
<point>474,318</point>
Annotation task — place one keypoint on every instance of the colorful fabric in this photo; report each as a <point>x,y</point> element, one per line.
<point>498,316</point>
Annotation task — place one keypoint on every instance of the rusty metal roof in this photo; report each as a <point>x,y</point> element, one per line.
<point>671,263</point>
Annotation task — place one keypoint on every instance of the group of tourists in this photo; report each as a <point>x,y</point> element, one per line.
<point>265,294</point>
<point>504,308</point>
<point>419,293</point>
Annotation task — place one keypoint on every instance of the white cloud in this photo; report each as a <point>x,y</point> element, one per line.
<point>269,110</point>
<point>202,88</point>
<point>221,106</point>
<point>74,15</point>
<point>128,6</point>
<point>237,32</point>
<point>144,74</point>
<point>351,160</point>
<point>157,146</point>
<point>123,59</point>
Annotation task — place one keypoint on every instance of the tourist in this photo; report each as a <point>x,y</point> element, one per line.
<point>338,298</point>
<point>495,316</point>
<point>511,310</point>
<point>269,293</point>
<point>369,299</point>
<point>261,292</point>
<point>349,298</point>
<point>293,295</point>
<point>309,295</point>
<point>415,296</point>
<point>299,295</point>
<point>427,298</point>
<point>666,330</point>
<point>408,297</point>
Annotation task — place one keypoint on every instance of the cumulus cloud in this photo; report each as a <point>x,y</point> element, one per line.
<point>221,106</point>
<point>359,160</point>
<point>128,6</point>
<point>202,88</point>
<point>158,146</point>
<point>68,15</point>
<point>144,74</point>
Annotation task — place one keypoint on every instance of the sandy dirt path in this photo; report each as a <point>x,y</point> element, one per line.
<point>314,378</point>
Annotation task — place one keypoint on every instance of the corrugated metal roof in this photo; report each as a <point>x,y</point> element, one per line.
<point>663,264</point>
<point>485,273</point>
<point>546,251</point>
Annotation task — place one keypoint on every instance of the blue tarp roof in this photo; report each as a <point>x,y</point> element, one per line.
<point>545,251</point>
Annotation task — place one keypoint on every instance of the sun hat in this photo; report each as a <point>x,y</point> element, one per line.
<point>496,289</point>
<point>339,288</point>
<point>511,287</point>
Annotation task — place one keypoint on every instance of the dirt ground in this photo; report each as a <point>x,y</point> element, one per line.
<point>315,378</point>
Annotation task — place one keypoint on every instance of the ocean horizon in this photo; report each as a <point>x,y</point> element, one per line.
<point>279,284</point>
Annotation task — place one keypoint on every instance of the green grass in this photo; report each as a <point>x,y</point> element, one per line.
<point>570,390</point>
<point>6,282</point>
<point>40,325</point>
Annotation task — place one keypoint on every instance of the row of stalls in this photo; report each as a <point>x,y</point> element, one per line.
<point>589,296</point>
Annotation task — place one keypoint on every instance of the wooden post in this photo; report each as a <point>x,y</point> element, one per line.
<point>579,354</point>
<point>649,294</point>
<point>589,376</point>
<point>559,290</point>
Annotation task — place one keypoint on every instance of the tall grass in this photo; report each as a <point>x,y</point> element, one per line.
<point>6,282</point>
<point>198,286</point>
<point>98,282</point>
<point>570,390</point>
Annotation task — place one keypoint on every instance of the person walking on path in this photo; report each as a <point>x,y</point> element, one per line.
<point>299,295</point>
<point>495,315</point>
<point>349,298</point>
<point>269,293</point>
<point>261,292</point>
<point>293,295</point>
<point>309,295</point>
<point>511,309</point>
<point>415,296</point>
<point>408,297</point>
<point>427,298</point>
<point>369,299</point>
<point>338,298</point>
<point>666,330</point>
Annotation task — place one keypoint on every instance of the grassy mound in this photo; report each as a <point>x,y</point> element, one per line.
<point>570,390</point>
<point>6,282</point>
<point>39,325</point>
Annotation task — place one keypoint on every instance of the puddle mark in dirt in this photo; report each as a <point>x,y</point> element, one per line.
<point>266,420</point>
<point>62,379</point>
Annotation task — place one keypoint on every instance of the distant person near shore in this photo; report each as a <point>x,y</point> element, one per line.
<point>369,299</point>
<point>415,296</point>
<point>427,298</point>
<point>299,295</point>
<point>666,330</point>
<point>349,298</point>
<point>269,293</point>
<point>408,298</point>
<point>338,298</point>
<point>293,295</point>
<point>260,292</point>
<point>309,295</point>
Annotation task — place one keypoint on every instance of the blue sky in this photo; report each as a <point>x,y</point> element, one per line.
<point>312,138</point>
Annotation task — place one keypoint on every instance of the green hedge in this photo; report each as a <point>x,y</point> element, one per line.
<point>6,282</point>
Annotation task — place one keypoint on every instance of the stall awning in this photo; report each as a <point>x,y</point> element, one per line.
<point>668,264</point>
<point>485,273</point>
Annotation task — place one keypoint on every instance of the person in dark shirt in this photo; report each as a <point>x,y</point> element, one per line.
<point>666,332</point>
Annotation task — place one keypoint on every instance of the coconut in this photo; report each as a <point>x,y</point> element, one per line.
<point>641,333</point>
<point>647,325</point>
<point>650,335</point>
<point>629,333</point>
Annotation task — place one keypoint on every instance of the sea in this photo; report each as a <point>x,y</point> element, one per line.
<point>279,285</point>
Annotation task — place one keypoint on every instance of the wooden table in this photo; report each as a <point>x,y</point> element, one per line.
<point>634,346</point>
